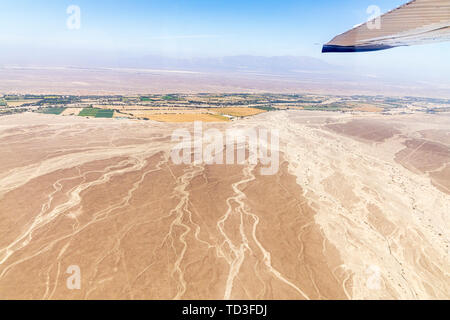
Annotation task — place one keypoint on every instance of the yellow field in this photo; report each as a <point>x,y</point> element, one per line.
<point>187,117</point>
<point>18,103</point>
<point>369,109</point>
<point>116,106</point>
<point>71,112</point>
<point>146,113</point>
<point>238,111</point>
<point>121,115</point>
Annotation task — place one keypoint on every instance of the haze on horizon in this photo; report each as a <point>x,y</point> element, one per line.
<point>113,32</point>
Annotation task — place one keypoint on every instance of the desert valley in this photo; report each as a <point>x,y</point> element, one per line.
<point>358,208</point>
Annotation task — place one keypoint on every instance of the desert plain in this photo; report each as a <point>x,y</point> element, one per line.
<point>358,209</point>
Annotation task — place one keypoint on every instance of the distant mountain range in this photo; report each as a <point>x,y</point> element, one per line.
<point>244,63</point>
<point>241,63</point>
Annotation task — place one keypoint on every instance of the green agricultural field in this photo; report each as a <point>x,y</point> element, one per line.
<point>104,113</point>
<point>169,97</point>
<point>88,112</point>
<point>53,110</point>
<point>97,113</point>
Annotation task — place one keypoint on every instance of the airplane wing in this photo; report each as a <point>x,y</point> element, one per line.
<point>416,22</point>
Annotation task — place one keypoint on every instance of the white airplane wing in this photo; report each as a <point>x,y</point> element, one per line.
<point>417,22</point>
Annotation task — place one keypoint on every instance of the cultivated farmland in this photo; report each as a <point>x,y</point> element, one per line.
<point>88,112</point>
<point>57,111</point>
<point>104,113</point>
<point>238,111</point>
<point>97,113</point>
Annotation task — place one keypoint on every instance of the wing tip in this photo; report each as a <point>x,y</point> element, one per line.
<point>330,48</point>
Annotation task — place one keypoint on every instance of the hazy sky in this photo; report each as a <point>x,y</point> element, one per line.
<point>204,28</point>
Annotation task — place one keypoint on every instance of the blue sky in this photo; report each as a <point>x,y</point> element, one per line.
<point>194,27</point>
<point>204,28</point>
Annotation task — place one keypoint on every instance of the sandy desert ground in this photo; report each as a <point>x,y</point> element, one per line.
<point>359,208</point>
